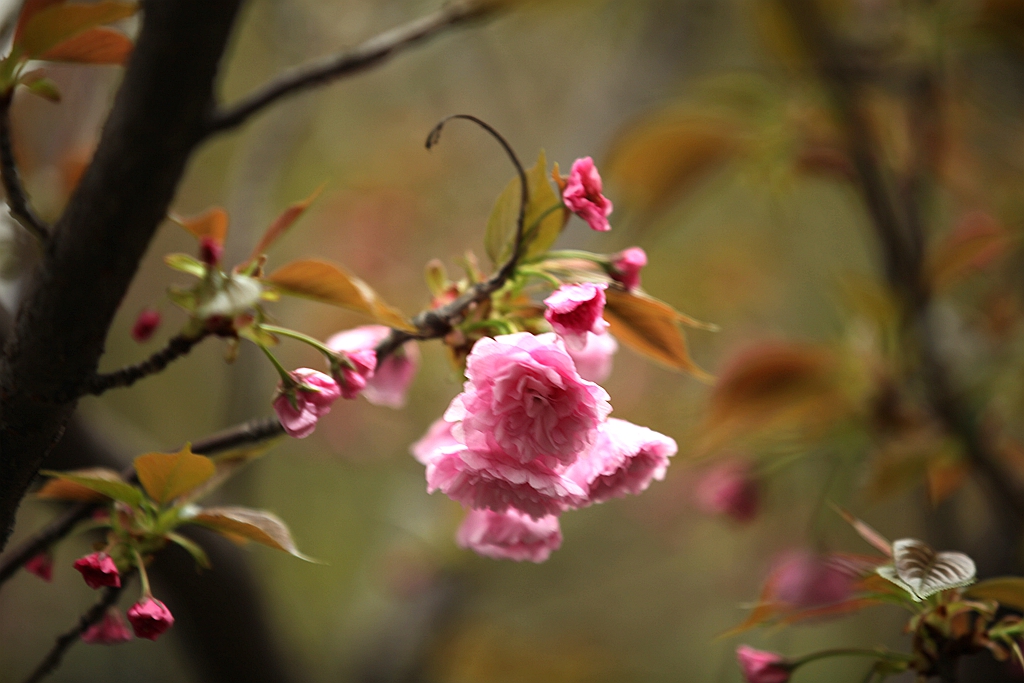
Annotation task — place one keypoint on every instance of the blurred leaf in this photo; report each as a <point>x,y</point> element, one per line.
<point>976,241</point>
<point>99,480</point>
<point>945,477</point>
<point>193,548</point>
<point>283,222</point>
<point>212,223</point>
<point>55,24</point>
<point>29,9</point>
<point>227,464</point>
<point>254,525</point>
<point>185,264</point>
<point>65,489</point>
<point>41,86</point>
<point>166,476</point>
<point>875,539</point>
<point>1008,591</point>
<point>98,45</point>
<point>650,327</point>
<point>501,224</point>
<point>330,284</point>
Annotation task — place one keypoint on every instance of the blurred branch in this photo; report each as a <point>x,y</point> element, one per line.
<point>17,200</point>
<point>367,55</point>
<point>252,432</point>
<point>900,231</point>
<point>177,347</point>
<point>53,658</point>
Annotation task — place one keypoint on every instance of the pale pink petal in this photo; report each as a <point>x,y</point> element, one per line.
<point>510,535</point>
<point>625,459</point>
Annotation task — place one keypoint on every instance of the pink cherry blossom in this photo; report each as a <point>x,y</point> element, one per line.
<point>98,570</point>
<point>729,489</point>
<point>145,325</point>
<point>626,267</point>
<point>624,459</point>
<point>389,382</point>
<point>354,379</point>
<point>42,566</point>
<point>582,195</point>
<point>510,535</point>
<point>523,402</point>
<point>495,482</point>
<point>804,580</point>
<point>150,618</point>
<point>111,630</point>
<point>759,666</point>
<point>575,310</point>
<point>594,360</point>
<point>438,437</point>
<point>308,402</point>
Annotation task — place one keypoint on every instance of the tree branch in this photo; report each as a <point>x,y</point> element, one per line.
<point>17,200</point>
<point>177,347</point>
<point>362,57</point>
<point>158,118</point>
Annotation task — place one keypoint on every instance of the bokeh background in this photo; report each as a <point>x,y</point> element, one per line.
<point>744,225</point>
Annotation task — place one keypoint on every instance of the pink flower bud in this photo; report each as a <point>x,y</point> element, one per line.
<point>582,195</point>
<point>150,618</point>
<point>575,310</point>
<point>110,631</point>
<point>98,570</point>
<point>299,408</point>
<point>805,580</point>
<point>510,535</point>
<point>390,381</point>
<point>626,267</point>
<point>759,666</point>
<point>210,251</point>
<point>594,360</point>
<point>145,325</point>
<point>729,489</point>
<point>42,566</point>
<point>354,380</point>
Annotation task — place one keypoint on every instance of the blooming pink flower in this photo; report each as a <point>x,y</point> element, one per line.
<point>98,570</point>
<point>626,267</point>
<point>582,194</point>
<point>759,666</point>
<point>496,482</point>
<point>575,310</point>
<point>145,325</point>
<point>150,618</point>
<point>523,402</point>
<point>510,535</point>
<point>804,580</point>
<point>625,458</point>
<point>312,399</point>
<point>41,565</point>
<point>438,437</point>
<point>210,251</point>
<point>111,630</point>
<point>729,489</point>
<point>594,360</point>
<point>389,382</point>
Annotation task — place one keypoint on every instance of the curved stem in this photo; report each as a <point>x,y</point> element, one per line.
<point>298,336</point>
<point>17,200</point>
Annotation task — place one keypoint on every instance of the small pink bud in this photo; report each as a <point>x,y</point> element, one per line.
<point>759,666</point>
<point>150,618</point>
<point>582,194</point>
<point>389,382</point>
<point>110,631</point>
<point>805,580</point>
<point>42,566</point>
<point>354,380</point>
<point>626,267</point>
<point>298,408</point>
<point>575,310</point>
<point>145,325</point>
<point>210,251</point>
<point>729,489</point>
<point>98,570</point>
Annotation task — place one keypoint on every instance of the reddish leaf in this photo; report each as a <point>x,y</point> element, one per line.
<point>29,10</point>
<point>976,241</point>
<point>55,24</point>
<point>283,222</point>
<point>212,223</point>
<point>96,46</point>
<point>166,476</point>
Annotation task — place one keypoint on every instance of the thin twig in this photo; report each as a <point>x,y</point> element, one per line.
<point>177,347</point>
<point>362,57</point>
<point>254,431</point>
<point>17,200</point>
<point>53,658</point>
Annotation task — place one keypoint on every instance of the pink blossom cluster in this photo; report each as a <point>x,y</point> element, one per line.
<point>149,617</point>
<point>529,438</point>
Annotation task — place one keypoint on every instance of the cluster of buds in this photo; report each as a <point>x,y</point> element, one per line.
<point>148,617</point>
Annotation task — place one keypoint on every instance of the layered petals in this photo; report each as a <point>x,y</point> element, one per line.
<point>510,535</point>
<point>583,195</point>
<point>150,618</point>
<point>625,459</point>
<point>594,360</point>
<point>575,310</point>
<point>299,408</point>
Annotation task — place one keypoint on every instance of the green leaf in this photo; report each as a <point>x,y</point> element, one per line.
<point>253,525</point>
<point>167,476</point>
<point>62,489</point>
<point>185,264</point>
<point>538,236</point>
<point>330,284</point>
<point>40,85</point>
<point>52,26</point>
<point>185,298</point>
<point>193,548</point>
<point>1008,591</point>
<point>652,328</point>
<point>283,222</point>
<point>101,481</point>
